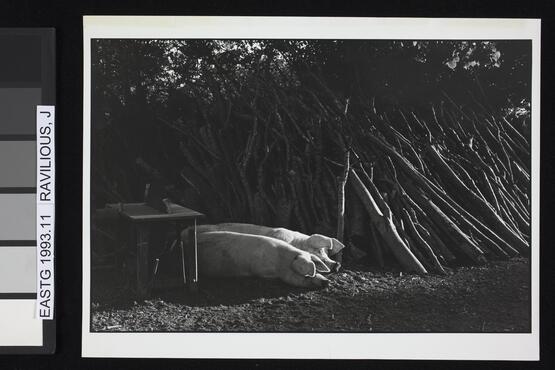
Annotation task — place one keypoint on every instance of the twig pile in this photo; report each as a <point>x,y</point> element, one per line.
<point>440,186</point>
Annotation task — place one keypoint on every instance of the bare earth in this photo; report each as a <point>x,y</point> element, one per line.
<point>491,298</point>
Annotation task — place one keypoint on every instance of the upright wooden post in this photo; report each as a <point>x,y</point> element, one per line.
<point>341,204</point>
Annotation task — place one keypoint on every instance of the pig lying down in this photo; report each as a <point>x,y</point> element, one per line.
<point>231,254</point>
<point>319,245</point>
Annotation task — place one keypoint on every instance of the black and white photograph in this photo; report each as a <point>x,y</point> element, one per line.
<point>309,185</point>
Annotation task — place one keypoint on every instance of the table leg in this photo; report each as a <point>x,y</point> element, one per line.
<point>183,259</point>
<point>192,259</point>
<point>143,265</point>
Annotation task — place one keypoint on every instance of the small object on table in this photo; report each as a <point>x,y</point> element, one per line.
<point>144,221</point>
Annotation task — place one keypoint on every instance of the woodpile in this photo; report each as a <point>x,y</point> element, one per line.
<point>441,186</point>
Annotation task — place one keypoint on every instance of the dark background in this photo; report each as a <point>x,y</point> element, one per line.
<point>66,17</point>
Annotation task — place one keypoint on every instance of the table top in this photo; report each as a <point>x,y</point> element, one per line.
<point>143,212</point>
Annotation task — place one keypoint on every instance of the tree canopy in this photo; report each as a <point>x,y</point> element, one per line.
<point>398,72</point>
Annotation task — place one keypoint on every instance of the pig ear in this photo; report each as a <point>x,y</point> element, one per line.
<point>320,266</point>
<point>336,246</point>
<point>318,241</point>
<point>303,266</point>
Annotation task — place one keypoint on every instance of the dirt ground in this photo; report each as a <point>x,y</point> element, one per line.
<point>491,298</point>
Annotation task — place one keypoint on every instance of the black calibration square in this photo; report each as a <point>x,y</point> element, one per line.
<point>20,59</point>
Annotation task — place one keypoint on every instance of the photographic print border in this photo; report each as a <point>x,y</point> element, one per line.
<point>471,346</point>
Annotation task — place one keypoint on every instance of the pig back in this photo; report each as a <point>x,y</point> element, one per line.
<point>224,253</point>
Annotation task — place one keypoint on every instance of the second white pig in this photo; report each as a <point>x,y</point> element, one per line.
<point>319,245</point>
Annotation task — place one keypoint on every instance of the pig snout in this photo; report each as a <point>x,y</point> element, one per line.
<point>320,281</point>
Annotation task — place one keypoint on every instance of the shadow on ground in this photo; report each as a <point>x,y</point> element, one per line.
<point>491,298</point>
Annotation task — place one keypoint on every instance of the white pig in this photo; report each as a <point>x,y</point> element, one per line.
<point>224,254</point>
<point>316,244</point>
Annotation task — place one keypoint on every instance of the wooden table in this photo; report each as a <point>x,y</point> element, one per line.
<point>145,222</point>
